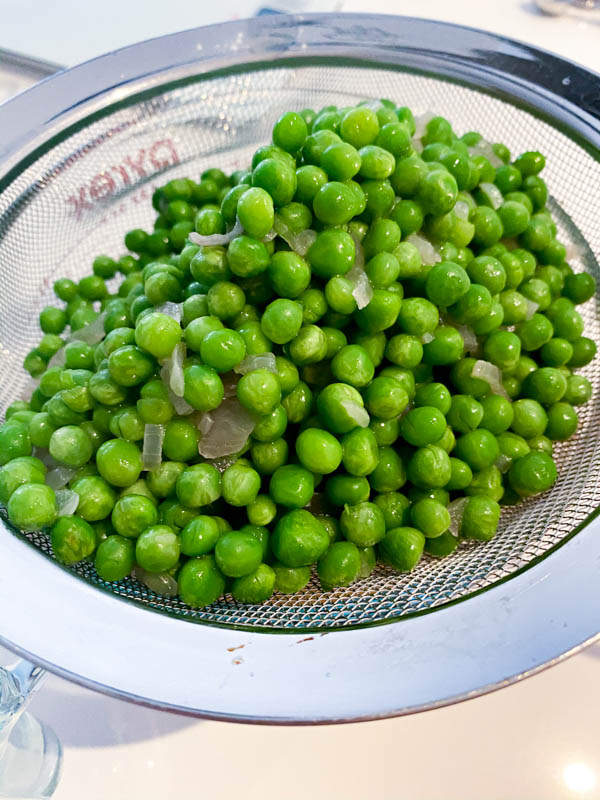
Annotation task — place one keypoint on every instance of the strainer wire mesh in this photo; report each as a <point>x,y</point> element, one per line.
<point>78,199</point>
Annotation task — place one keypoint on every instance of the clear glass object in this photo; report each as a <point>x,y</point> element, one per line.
<point>586,10</point>
<point>30,753</point>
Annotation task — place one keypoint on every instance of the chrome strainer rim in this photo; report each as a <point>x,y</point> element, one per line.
<point>332,30</point>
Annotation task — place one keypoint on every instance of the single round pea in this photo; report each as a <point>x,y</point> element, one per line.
<point>71,445</point>
<point>262,510</point>
<point>532,474</point>
<point>497,414</point>
<point>225,299</point>
<point>240,484</point>
<point>14,441</point>
<point>255,212</point>
<point>352,365</point>
<point>255,587</point>
<point>281,320</point>
<point>530,419</point>
<point>446,283</point>
<point>96,497</point>
<point>289,580</point>
<point>32,506</point>
<point>259,391</point>
<point>16,473</point>
<point>290,131</point>
<point>200,582</point>
<point>423,425</point>
<point>360,454</point>
<point>334,203</point>
<point>547,385</point>
<point>562,421</point>
<point>473,305</point>
<point>359,126</point>
<point>203,389</point>
<point>429,467</point>
<point>418,316</point>
<point>299,539</point>
<point>556,352</point>
<point>318,451</point>
<point>480,518</point>
<point>363,524</point>
<point>132,514</point>
<point>389,475</point>
<point>198,486</point>
<point>385,398</point>
<point>386,431</point>
<point>73,539</point>
<point>339,566</point>
<point>238,553</point>
<point>430,517</point>
<point>119,462</point>
<point>292,486</point>
<point>222,349</point>
<point>180,442</point>
<point>157,334</point>
<point>289,274</point>
<point>478,448</point>
<point>157,549</point>
<point>584,350</point>
<point>403,547</point>
<point>579,390</point>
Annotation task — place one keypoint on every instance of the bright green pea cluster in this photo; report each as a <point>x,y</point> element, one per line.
<point>390,315</point>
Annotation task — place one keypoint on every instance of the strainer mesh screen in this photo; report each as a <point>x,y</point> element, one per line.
<point>77,201</point>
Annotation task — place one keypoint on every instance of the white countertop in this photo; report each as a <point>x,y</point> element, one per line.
<point>535,740</point>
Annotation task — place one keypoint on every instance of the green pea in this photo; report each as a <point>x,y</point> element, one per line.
<point>579,390</point>
<point>73,539</point>
<point>114,558</point>
<point>390,474</point>
<point>423,425</point>
<point>318,451</point>
<point>480,518</point>
<point>429,467</point>
<point>255,587</point>
<point>446,283</point>
<point>562,421</point>
<point>15,441</point>
<point>299,539</point>
<point>241,484</point>
<point>339,566</point>
<point>200,582</point>
<point>385,398</point>
<point>119,462</point>
<point>32,506</point>
<point>530,419</point>
<point>289,580</point>
<point>363,524</point>
<point>403,547</point>
<point>17,472</point>
<point>262,510</point>
<point>292,486</point>
<point>430,517</point>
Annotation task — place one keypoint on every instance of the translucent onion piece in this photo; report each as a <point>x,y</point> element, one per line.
<point>426,338</point>
<point>66,502</point>
<point>417,145</point>
<point>92,333</point>
<point>461,209</point>
<point>157,582</point>
<point>225,430</point>
<point>484,148</point>
<point>362,291</point>
<point>182,408</point>
<point>359,414</point>
<point>58,359</point>
<point>230,382</point>
<point>171,310</point>
<point>491,374</point>
<point>429,255</point>
<point>456,510</point>
<point>45,457</point>
<point>503,463</point>
<point>174,369</point>
<point>493,192</point>
<point>270,235</point>
<point>421,121</point>
<point>531,309</point>
<point>299,242</point>
<point>469,338</point>
<point>58,477</point>
<point>152,450</point>
<point>574,252</point>
<point>259,361</point>
<point>217,238</point>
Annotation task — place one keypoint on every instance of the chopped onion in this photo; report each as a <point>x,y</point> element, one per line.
<point>469,338</point>
<point>45,457</point>
<point>66,502</point>
<point>172,310</point>
<point>92,333</point>
<point>299,242</point>
<point>532,308</point>
<point>456,510</point>
<point>494,194</point>
<point>362,291</point>
<point>173,366</point>
<point>152,450</point>
<point>270,235</point>
<point>421,122</point>
<point>503,463</point>
<point>357,413</point>
<point>484,148</point>
<point>426,338</point>
<point>157,582</point>
<point>58,477</point>
<point>230,382</point>
<point>574,252</point>
<point>429,254</point>
<point>417,145</point>
<point>259,361</point>
<point>461,209</point>
<point>217,238</point>
<point>491,374</point>
<point>58,359</point>
<point>225,430</point>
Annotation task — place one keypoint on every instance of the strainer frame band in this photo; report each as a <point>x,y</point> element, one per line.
<point>548,610</point>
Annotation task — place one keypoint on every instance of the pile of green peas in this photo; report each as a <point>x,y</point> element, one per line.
<point>372,423</point>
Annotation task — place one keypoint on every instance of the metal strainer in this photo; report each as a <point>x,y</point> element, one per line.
<point>83,152</point>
